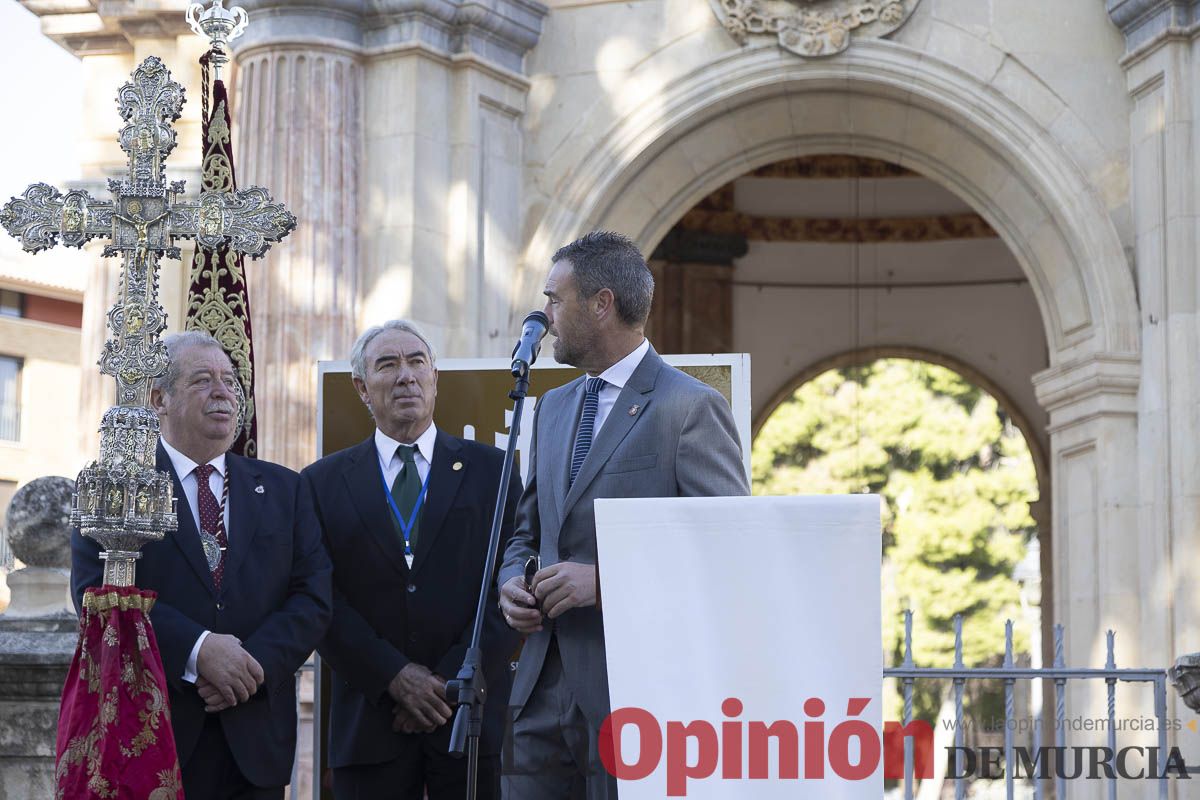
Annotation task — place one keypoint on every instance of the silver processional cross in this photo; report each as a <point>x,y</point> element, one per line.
<point>121,500</point>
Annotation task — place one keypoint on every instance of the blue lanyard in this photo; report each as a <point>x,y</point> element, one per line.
<point>405,526</point>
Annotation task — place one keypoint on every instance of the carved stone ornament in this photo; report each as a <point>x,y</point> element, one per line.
<point>1185,677</point>
<point>812,28</point>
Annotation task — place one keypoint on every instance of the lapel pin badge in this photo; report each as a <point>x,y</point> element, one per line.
<point>457,466</point>
<point>633,410</point>
<point>259,489</point>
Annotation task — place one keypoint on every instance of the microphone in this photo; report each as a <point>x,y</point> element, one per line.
<point>526,351</point>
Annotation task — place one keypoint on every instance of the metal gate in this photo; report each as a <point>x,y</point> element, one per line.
<point>908,673</point>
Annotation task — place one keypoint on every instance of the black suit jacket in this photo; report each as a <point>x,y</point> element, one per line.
<point>275,596</point>
<point>385,615</point>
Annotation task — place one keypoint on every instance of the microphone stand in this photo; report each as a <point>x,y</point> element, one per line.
<point>469,689</point>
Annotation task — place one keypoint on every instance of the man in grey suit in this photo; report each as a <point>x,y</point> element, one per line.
<point>632,427</point>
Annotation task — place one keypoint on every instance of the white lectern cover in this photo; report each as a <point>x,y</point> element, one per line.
<point>765,602</point>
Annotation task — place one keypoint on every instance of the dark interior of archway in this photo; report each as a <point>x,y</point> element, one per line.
<point>694,263</point>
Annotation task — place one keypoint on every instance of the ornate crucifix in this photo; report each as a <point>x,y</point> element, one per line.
<point>121,500</point>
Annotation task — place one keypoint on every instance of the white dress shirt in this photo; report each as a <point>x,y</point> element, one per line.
<point>390,461</point>
<point>185,470</point>
<point>615,378</point>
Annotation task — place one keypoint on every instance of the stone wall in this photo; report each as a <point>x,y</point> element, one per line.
<point>38,634</point>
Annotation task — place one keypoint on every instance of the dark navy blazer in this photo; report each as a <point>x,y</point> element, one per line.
<point>386,615</point>
<point>275,596</point>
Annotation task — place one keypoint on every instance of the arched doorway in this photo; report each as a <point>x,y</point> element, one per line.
<point>827,261</point>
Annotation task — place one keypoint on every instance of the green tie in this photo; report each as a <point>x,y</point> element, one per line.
<point>406,489</point>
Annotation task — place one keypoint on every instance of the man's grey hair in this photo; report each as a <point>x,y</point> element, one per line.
<point>358,367</point>
<point>609,260</point>
<point>177,343</point>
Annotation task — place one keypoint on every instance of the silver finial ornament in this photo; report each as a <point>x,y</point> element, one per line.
<point>220,26</point>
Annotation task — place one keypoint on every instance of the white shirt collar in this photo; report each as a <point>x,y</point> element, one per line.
<point>184,466</point>
<point>386,445</point>
<point>619,373</point>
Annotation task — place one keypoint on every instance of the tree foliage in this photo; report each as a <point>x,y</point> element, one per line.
<point>955,477</point>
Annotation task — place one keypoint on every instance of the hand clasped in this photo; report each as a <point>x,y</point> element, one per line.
<point>565,585</point>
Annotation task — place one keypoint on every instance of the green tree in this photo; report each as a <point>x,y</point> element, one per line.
<point>955,477</point>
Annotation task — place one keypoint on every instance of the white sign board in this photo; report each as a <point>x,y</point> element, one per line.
<point>749,629</point>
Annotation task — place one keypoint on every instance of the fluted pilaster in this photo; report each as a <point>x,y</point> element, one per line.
<point>299,129</point>
<point>392,131</point>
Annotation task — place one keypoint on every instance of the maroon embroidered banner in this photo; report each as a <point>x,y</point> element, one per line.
<point>114,722</point>
<point>218,297</point>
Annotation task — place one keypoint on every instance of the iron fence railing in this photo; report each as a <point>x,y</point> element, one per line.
<point>908,673</point>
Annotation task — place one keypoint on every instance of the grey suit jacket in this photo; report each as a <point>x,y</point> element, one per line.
<point>680,442</point>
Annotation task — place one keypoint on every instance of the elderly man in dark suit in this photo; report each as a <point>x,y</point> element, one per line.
<point>631,427</point>
<point>406,515</point>
<point>244,587</point>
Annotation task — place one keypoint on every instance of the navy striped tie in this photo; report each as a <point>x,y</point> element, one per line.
<point>587,424</point>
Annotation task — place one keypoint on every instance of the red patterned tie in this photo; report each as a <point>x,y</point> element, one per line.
<point>211,519</point>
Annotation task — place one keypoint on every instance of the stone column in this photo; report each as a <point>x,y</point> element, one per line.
<point>38,634</point>
<point>1098,560</point>
<point>442,164</point>
<point>392,130</point>
<point>1093,432</point>
<point>297,118</point>
<point>1160,67</point>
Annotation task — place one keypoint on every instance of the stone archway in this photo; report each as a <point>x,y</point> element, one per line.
<point>755,107</point>
<point>878,100</point>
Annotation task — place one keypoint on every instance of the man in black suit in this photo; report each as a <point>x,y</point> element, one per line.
<point>244,586</point>
<point>406,516</point>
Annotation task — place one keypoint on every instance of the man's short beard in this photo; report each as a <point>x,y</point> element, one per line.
<point>583,344</point>
<point>564,354</point>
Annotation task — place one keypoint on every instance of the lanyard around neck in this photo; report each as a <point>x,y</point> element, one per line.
<point>406,526</point>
